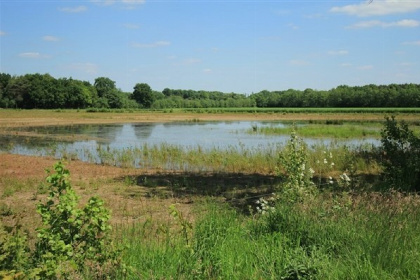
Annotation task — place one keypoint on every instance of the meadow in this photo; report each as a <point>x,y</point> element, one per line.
<point>290,212</point>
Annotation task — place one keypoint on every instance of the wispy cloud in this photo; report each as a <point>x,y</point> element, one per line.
<point>86,67</point>
<point>405,64</point>
<point>415,43</point>
<point>378,23</point>
<point>50,38</point>
<point>35,55</point>
<point>133,2</point>
<point>129,3</point>
<point>78,9</point>
<point>207,70</point>
<point>2,33</point>
<point>293,26</point>
<point>151,45</point>
<point>378,8</point>
<point>103,2</point>
<point>339,52</point>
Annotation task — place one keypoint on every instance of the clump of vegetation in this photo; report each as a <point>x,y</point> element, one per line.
<point>70,243</point>
<point>294,160</point>
<point>401,150</point>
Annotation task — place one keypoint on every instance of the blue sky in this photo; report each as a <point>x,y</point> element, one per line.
<point>228,46</point>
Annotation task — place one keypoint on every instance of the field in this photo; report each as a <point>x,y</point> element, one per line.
<point>217,218</point>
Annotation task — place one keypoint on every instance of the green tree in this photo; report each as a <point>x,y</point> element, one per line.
<point>104,85</point>
<point>143,95</point>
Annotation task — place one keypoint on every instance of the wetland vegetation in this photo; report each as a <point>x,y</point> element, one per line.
<point>286,211</point>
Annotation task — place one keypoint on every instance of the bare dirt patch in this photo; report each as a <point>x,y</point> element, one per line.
<point>22,186</point>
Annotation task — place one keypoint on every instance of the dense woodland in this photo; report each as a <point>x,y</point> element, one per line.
<point>42,91</point>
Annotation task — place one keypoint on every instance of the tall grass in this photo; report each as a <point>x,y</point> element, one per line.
<point>234,159</point>
<point>331,236</point>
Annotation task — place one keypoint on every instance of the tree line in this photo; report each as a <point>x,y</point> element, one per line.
<point>42,91</point>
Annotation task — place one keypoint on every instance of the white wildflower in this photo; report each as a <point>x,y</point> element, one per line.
<point>345,178</point>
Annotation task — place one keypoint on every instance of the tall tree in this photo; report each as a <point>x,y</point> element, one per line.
<point>104,86</point>
<point>143,95</point>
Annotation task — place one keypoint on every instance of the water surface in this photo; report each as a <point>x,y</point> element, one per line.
<point>77,139</point>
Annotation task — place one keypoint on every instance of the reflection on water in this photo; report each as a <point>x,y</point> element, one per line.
<point>84,141</point>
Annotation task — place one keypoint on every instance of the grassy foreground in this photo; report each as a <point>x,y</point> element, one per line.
<point>332,236</point>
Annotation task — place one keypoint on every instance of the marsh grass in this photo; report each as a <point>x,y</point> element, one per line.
<point>338,131</point>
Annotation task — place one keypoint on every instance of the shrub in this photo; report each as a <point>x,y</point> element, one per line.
<point>72,242</point>
<point>401,160</point>
<point>294,160</point>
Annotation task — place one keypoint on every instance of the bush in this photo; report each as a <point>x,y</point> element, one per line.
<point>401,150</point>
<point>72,242</point>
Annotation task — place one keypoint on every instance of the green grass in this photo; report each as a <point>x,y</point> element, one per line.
<point>319,130</point>
<point>332,236</point>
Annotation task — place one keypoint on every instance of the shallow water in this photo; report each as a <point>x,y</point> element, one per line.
<point>188,135</point>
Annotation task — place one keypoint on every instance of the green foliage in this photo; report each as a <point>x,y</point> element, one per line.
<point>294,161</point>
<point>401,160</point>
<point>143,95</point>
<point>43,91</point>
<point>72,240</point>
<point>14,251</point>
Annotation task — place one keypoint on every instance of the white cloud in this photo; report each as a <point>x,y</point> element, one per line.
<point>133,2</point>
<point>33,55</point>
<point>378,23</point>
<point>339,52</point>
<point>415,43</point>
<point>378,8</point>
<point>2,33</point>
<point>207,70</point>
<point>87,67</point>
<point>50,38</point>
<point>78,9</point>
<point>293,26</point>
<point>103,2</point>
<point>151,45</point>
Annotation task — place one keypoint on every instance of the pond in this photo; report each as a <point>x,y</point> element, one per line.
<point>81,140</point>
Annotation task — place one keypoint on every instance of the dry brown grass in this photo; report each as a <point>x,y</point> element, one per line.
<point>22,179</point>
<point>19,118</point>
